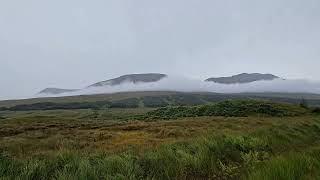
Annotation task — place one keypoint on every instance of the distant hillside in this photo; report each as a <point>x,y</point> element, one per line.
<point>147,99</point>
<point>243,78</point>
<point>56,91</point>
<point>131,78</point>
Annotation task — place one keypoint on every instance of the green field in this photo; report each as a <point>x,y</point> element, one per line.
<point>234,139</point>
<point>151,99</point>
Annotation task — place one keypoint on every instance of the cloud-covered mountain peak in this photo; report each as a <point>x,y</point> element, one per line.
<point>131,78</point>
<point>243,78</point>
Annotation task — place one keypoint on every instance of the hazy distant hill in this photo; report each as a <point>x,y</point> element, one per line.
<point>131,78</point>
<point>56,91</point>
<point>243,78</point>
<point>149,99</point>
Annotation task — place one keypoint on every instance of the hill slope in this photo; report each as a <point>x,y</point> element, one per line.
<point>243,78</point>
<point>148,99</point>
<point>131,78</point>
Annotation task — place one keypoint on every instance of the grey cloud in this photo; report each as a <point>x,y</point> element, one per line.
<point>70,44</point>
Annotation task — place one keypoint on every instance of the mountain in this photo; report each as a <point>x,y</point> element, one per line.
<point>131,78</point>
<point>243,78</point>
<point>56,91</point>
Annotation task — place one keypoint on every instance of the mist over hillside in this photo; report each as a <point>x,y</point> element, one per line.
<point>131,78</point>
<point>183,84</point>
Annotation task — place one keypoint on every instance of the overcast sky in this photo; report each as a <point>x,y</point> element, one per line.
<point>74,43</point>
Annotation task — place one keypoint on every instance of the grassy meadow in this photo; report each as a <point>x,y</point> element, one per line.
<point>238,139</point>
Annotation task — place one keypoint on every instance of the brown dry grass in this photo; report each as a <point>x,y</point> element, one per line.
<point>27,134</point>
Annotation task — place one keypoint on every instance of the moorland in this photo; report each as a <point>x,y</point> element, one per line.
<point>165,135</point>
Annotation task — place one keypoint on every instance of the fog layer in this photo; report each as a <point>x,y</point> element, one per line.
<point>182,84</point>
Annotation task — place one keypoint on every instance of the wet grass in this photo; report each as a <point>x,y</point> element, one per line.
<point>108,144</point>
<point>293,166</point>
<point>213,157</point>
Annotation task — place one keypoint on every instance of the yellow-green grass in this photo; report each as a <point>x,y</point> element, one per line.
<point>274,151</point>
<point>293,166</point>
<point>24,134</point>
<point>106,144</point>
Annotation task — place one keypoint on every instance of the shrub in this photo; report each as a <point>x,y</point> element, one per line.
<point>316,110</point>
<point>236,108</point>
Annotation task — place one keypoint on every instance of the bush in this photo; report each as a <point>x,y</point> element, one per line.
<point>316,110</point>
<point>236,108</point>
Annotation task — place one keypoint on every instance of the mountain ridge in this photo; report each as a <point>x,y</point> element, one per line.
<point>131,78</point>
<point>128,78</point>
<point>145,78</point>
<point>243,78</point>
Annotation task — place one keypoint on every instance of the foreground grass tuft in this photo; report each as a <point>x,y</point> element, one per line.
<point>219,157</point>
<point>294,166</point>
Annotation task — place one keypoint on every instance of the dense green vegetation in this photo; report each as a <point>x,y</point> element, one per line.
<point>235,108</point>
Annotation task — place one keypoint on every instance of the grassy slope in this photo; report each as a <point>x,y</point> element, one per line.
<point>279,151</point>
<point>160,100</point>
<point>314,99</point>
<point>286,95</point>
<point>103,144</point>
<point>85,98</point>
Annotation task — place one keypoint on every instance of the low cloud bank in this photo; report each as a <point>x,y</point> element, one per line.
<point>191,85</point>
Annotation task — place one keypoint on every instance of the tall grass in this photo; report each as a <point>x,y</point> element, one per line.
<point>269,154</point>
<point>295,166</point>
<point>219,157</point>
